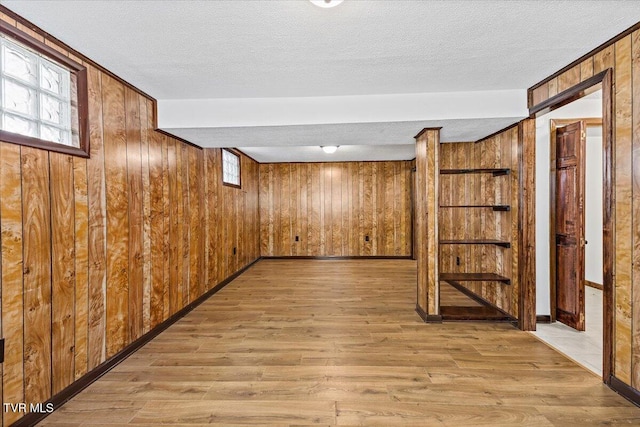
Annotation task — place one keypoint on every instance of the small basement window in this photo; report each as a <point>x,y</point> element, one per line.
<point>230,168</point>
<point>43,95</point>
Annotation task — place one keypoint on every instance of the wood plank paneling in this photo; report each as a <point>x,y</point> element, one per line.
<point>185,200</point>
<point>36,274</point>
<point>62,270</point>
<point>146,125</point>
<point>333,207</point>
<point>96,187</point>
<point>115,148</point>
<point>135,214</point>
<point>158,248</point>
<point>195,251</point>
<point>635,84</point>
<point>11,256</point>
<point>179,229</point>
<point>623,209</point>
<point>81,228</point>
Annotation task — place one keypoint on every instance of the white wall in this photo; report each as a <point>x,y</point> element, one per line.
<point>593,206</point>
<point>590,106</point>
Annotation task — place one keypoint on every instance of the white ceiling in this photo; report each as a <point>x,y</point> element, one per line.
<point>181,51</point>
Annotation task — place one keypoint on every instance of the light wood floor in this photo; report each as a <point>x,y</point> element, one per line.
<point>337,342</point>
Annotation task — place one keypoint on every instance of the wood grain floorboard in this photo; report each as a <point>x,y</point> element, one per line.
<point>311,342</point>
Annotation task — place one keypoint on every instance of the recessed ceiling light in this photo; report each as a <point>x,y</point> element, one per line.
<point>326,3</point>
<point>329,149</point>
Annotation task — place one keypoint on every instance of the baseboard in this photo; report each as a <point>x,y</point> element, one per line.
<point>594,285</point>
<point>90,377</point>
<point>339,257</point>
<point>428,318</point>
<point>543,318</point>
<point>624,390</point>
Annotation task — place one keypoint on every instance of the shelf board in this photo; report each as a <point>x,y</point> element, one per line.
<point>473,313</point>
<point>501,208</point>
<point>493,171</point>
<point>475,277</point>
<point>500,243</point>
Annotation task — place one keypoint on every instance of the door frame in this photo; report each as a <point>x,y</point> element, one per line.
<point>554,124</point>
<point>575,92</point>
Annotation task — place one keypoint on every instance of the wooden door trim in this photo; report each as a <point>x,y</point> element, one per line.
<point>606,78</point>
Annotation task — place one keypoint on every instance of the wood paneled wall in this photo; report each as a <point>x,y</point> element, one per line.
<point>623,57</point>
<point>96,252</point>
<point>333,207</point>
<point>426,219</point>
<point>499,151</point>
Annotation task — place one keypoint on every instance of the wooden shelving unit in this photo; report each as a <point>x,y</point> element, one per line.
<point>478,226</point>
<point>503,242</point>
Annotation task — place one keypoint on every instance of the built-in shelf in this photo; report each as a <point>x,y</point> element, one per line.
<point>473,313</point>
<point>500,243</point>
<point>502,208</point>
<point>475,277</point>
<point>493,171</point>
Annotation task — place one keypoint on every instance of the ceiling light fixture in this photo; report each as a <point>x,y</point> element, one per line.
<point>326,3</point>
<point>329,149</point>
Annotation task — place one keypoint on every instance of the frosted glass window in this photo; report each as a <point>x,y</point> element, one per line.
<point>230,168</point>
<point>35,98</point>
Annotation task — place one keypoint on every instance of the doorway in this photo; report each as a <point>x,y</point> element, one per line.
<point>571,316</point>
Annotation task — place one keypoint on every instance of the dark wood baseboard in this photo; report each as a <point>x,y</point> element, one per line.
<point>86,380</point>
<point>543,318</point>
<point>624,390</point>
<point>594,285</point>
<point>428,318</point>
<point>340,257</point>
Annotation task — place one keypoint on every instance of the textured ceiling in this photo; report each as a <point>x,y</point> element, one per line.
<point>366,141</point>
<point>181,50</point>
<point>272,48</point>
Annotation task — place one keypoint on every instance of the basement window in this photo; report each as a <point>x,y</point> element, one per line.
<point>230,168</point>
<point>43,95</point>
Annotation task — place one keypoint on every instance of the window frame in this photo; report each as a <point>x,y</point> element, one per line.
<point>78,71</point>
<point>233,152</point>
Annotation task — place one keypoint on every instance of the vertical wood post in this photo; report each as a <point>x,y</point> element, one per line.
<point>426,235</point>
